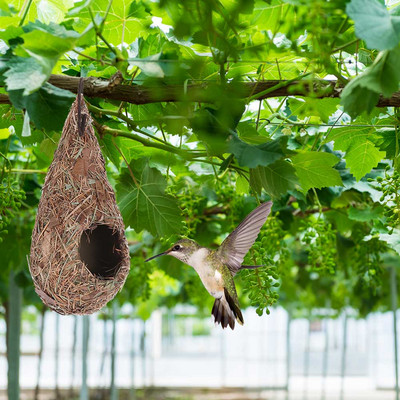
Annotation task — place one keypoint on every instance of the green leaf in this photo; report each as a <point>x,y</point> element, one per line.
<point>277,179</point>
<point>356,99</point>
<point>138,9</point>
<point>121,25</point>
<point>392,240</point>
<point>4,133</point>
<point>45,102</point>
<point>362,157</point>
<point>365,214</point>
<point>53,10</point>
<point>314,169</point>
<point>144,204</point>
<point>322,108</point>
<point>386,141</point>
<point>242,186</point>
<point>382,77</point>
<point>11,33</point>
<point>28,74</point>
<point>247,132</point>
<point>110,150</point>
<point>361,153</point>
<point>48,40</point>
<point>374,24</point>
<point>253,156</point>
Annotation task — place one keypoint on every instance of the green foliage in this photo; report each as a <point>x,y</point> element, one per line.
<point>315,170</point>
<point>11,197</point>
<point>382,77</point>
<point>271,252</point>
<point>361,153</point>
<point>143,202</point>
<point>389,185</point>
<point>276,179</point>
<point>197,166</point>
<point>319,241</point>
<point>374,24</point>
<point>254,156</point>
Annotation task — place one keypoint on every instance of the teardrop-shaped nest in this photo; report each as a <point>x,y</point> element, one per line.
<point>79,254</point>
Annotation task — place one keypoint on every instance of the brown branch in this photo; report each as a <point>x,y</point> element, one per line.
<point>204,92</point>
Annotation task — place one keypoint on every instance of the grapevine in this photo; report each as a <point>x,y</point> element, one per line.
<point>389,185</point>
<point>368,261</point>
<point>319,239</point>
<point>269,250</point>
<point>11,197</point>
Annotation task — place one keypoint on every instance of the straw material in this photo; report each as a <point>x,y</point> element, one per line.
<point>76,200</point>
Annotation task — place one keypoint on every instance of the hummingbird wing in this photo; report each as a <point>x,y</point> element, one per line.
<point>235,247</point>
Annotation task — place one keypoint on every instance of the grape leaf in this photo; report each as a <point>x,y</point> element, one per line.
<point>374,24</point>
<point>362,157</point>
<point>110,150</point>
<point>314,169</point>
<point>48,100</point>
<point>386,141</point>
<point>277,179</point>
<point>392,240</point>
<point>322,108</point>
<point>50,40</point>
<point>122,25</point>
<point>28,74</point>
<point>382,77</point>
<point>365,214</point>
<point>253,156</point>
<point>144,204</point>
<point>242,185</point>
<point>361,153</point>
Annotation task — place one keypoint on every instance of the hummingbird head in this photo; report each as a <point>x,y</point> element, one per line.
<point>181,250</point>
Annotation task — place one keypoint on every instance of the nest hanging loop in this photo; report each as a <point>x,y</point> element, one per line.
<point>79,254</point>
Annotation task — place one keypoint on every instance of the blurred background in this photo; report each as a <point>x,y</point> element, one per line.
<point>178,354</point>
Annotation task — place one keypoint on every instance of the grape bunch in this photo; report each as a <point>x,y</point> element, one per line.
<point>269,250</point>
<point>11,198</point>
<point>389,185</point>
<point>367,258</point>
<point>319,239</point>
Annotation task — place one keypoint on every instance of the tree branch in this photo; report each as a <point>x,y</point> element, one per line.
<point>204,92</point>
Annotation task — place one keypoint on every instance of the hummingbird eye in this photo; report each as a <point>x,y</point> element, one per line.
<point>176,248</point>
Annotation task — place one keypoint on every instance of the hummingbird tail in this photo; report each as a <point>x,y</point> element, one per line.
<point>226,311</point>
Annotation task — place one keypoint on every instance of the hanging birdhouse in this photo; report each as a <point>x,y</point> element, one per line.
<point>79,254</point>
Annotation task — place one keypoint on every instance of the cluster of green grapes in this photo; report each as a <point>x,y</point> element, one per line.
<point>11,198</point>
<point>319,240</point>
<point>269,250</point>
<point>138,283</point>
<point>368,262</point>
<point>191,206</point>
<point>389,185</point>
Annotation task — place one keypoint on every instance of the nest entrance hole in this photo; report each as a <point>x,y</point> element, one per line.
<point>100,250</point>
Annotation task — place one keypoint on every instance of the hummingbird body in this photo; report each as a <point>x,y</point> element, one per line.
<point>216,268</point>
<point>203,261</point>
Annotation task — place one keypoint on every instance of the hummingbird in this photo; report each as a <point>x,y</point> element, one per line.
<point>216,268</point>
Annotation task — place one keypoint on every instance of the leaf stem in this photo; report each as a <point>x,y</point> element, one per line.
<point>28,6</point>
<point>98,30</point>
<point>91,58</point>
<point>127,164</point>
<point>317,199</point>
<point>277,86</point>
<point>129,121</point>
<point>345,45</point>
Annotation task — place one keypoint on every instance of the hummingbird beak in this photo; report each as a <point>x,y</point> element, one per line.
<point>158,255</point>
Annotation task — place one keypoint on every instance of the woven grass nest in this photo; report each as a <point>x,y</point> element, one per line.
<point>79,254</point>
